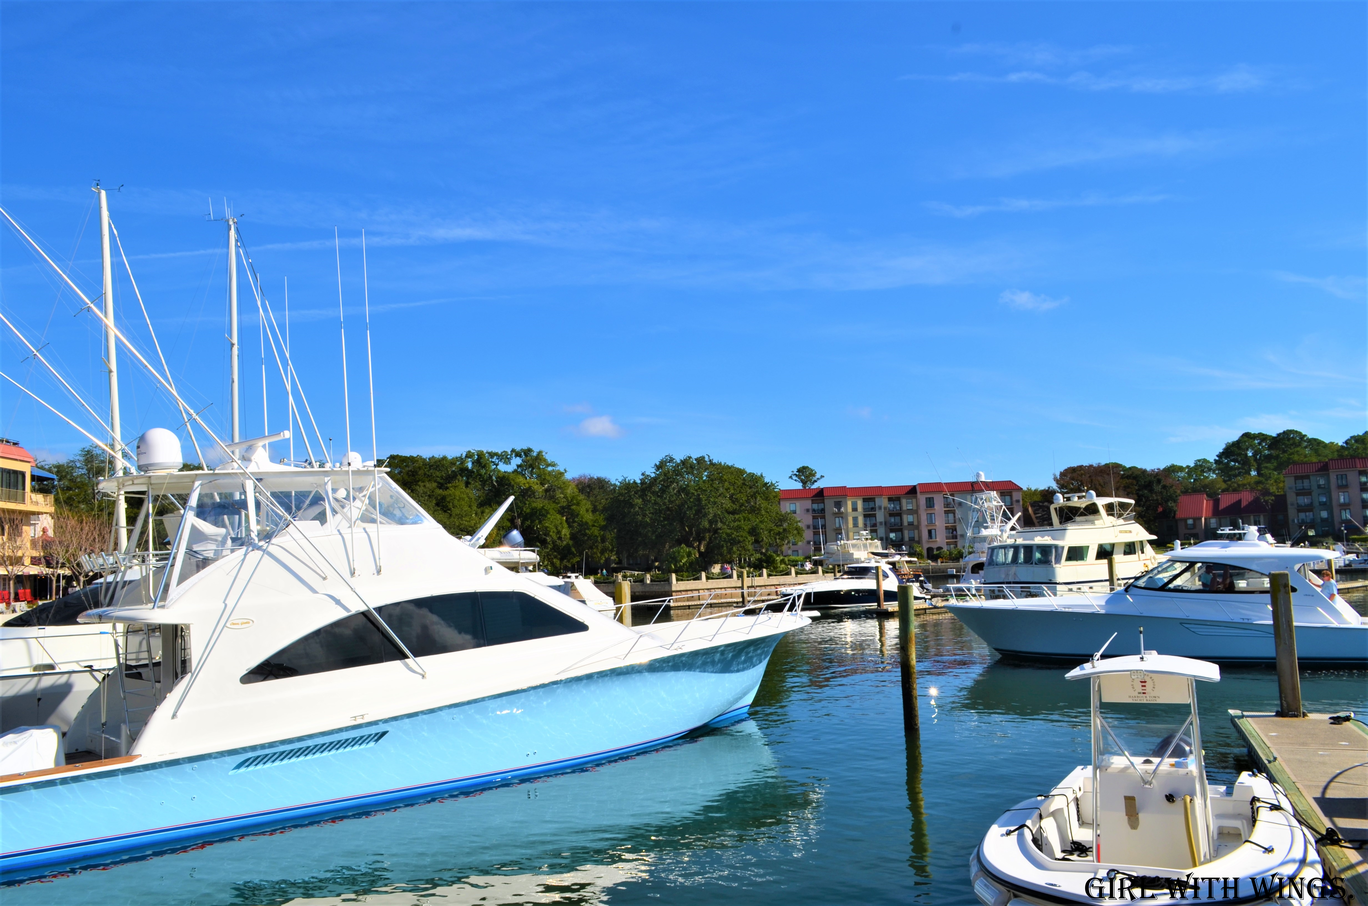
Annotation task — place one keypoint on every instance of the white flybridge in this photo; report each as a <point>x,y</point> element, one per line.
<point>1086,533</point>
<point>1211,600</point>
<point>1141,820</point>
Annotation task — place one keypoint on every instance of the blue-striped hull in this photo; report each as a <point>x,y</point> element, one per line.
<point>73,818</point>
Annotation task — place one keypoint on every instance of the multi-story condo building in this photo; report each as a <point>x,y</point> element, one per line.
<point>1328,497</point>
<point>25,521</point>
<point>899,516</point>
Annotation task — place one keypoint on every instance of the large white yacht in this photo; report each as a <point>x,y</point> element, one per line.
<point>1207,601</point>
<point>323,645</point>
<point>1085,533</point>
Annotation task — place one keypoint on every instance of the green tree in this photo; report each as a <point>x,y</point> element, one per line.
<point>553,516</point>
<point>806,476</point>
<point>721,512</point>
<point>78,479</point>
<point>1356,445</point>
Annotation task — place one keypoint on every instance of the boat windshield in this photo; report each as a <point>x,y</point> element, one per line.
<point>1178,575</point>
<point>227,512</point>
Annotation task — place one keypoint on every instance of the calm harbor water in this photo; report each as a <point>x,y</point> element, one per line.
<point>818,798</point>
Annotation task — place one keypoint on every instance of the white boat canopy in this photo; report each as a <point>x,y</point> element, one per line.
<point>1149,662</point>
<point>1256,555</point>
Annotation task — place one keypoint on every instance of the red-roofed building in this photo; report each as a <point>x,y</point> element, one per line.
<point>899,516</point>
<point>1200,517</point>
<point>1328,498</point>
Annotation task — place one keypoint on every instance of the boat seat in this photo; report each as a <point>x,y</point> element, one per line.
<point>1048,837</point>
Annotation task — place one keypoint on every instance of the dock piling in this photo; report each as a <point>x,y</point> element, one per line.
<point>1111,572</point>
<point>622,597</point>
<point>1285,645</point>
<point>907,659</point>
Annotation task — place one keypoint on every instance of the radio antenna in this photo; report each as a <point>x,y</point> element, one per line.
<point>346,404</point>
<point>370,378</point>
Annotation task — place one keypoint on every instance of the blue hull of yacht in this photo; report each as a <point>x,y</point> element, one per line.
<point>1073,635</point>
<point>75,818</point>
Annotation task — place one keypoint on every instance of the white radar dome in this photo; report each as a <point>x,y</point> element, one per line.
<point>159,451</point>
<point>1091,495</point>
<point>1059,498</point>
<point>979,476</point>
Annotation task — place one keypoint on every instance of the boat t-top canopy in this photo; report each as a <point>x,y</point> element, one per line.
<point>1150,662</point>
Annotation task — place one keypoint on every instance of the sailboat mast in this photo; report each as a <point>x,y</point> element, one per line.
<point>111,362</point>
<point>233,323</point>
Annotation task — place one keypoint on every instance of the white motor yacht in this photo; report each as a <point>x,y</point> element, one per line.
<point>1211,600</point>
<point>1085,534</point>
<point>322,646</point>
<point>855,587</point>
<point>1141,821</point>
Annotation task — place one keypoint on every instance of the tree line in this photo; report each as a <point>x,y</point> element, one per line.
<point>1254,461</point>
<point>682,515</point>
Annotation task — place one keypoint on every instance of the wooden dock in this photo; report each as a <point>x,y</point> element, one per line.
<point>1324,769</point>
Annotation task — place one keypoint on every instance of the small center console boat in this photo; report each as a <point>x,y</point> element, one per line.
<point>1141,821</point>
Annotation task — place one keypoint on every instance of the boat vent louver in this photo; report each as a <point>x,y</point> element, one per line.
<point>268,759</point>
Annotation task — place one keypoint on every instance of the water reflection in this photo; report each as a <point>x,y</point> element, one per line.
<point>567,839</point>
<point>822,799</point>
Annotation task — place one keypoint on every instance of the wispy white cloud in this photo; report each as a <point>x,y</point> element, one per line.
<point>1234,80</point>
<point>580,408</point>
<point>1316,422</point>
<point>599,426</point>
<point>1022,300</point>
<point>1053,152</point>
<point>1028,205</point>
<point>1352,287</point>
<point>1038,53</point>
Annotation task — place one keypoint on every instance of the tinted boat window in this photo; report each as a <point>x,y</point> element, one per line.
<point>512,616</point>
<point>353,641</point>
<point>1077,552</point>
<point>1129,549</point>
<point>436,625</point>
<point>1105,550</point>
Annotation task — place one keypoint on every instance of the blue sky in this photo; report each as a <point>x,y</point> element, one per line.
<point>892,241</point>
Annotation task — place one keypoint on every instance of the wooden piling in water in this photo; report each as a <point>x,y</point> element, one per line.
<point>878,586</point>
<point>622,597</point>
<point>1111,572</point>
<point>907,660</point>
<point>1285,645</point>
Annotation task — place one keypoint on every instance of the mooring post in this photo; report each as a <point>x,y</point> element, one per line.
<point>878,585</point>
<point>1111,572</point>
<point>622,597</point>
<point>907,659</point>
<point>1285,645</point>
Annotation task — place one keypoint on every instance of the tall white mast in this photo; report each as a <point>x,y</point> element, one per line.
<point>111,361</point>
<point>233,321</point>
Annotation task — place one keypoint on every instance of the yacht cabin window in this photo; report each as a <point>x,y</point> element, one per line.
<point>1128,550</point>
<point>1104,551</point>
<point>1076,553</point>
<point>1025,554</point>
<point>439,624</point>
